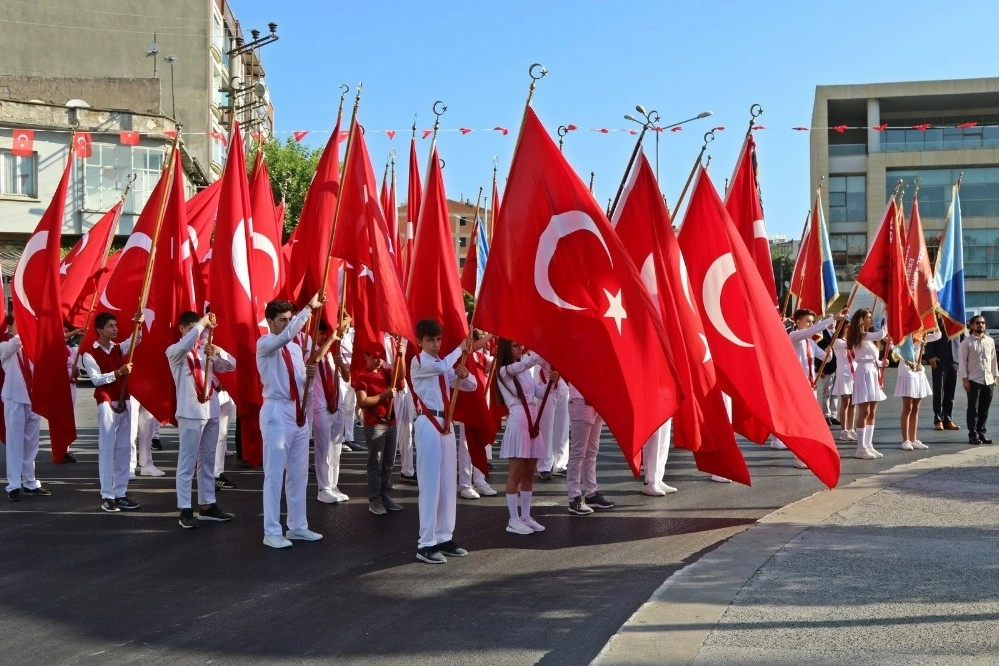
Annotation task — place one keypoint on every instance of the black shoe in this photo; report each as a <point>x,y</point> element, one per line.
<point>578,506</point>
<point>40,491</point>
<point>828,421</point>
<point>390,504</point>
<point>545,476</point>
<point>69,458</point>
<point>982,439</point>
<point>358,447</point>
<point>156,445</point>
<point>406,478</point>
<point>213,512</point>
<point>973,439</point>
<point>14,495</point>
<point>110,506</point>
<point>834,421</point>
<point>558,471</point>
<point>125,504</point>
<point>451,549</point>
<point>222,483</point>
<point>187,519</point>
<point>598,501</point>
<point>430,555</point>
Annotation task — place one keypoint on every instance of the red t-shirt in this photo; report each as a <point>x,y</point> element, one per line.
<point>373,383</point>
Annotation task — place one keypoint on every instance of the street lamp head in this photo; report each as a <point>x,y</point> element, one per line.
<point>630,117</point>
<point>170,59</point>
<point>640,109</point>
<point>255,34</point>
<point>705,114</point>
<point>152,50</point>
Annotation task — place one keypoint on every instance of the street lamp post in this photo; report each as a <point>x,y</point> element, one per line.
<point>239,49</point>
<point>170,60</point>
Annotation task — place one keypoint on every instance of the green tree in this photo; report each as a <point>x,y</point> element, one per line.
<point>783,268</point>
<point>291,166</point>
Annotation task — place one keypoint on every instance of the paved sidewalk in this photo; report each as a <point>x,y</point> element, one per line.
<point>897,568</point>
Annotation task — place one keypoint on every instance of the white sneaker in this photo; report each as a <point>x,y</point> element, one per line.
<point>844,435</point>
<point>151,470</point>
<point>906,445</point>
<point>851,435</point>
<point>518,526</point>
<point>799,463</point>
<point>653,490</point>
<point>666,488</point>
<point>777,444</point>
<point>327,497</point>
<point>533,524</point>
<point>340,496</point>
<point>877,454</point>
<point>304,535</point>
<point>916,444</point>
<point>276,541</point>
<point>864,454</point>
<point>485,489</point>
<point>469,493</point>
<point>720,479</point>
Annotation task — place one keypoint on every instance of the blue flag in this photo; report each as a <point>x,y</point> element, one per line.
<point>481,254</point>
<point>948,275</point>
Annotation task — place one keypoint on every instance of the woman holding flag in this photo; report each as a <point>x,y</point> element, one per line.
<point>867,393</point>
<point>912,386</point>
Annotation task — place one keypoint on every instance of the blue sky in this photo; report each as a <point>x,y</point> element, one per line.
<point>603,58</point>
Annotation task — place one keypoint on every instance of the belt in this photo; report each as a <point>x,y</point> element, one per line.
<point>435,412</point>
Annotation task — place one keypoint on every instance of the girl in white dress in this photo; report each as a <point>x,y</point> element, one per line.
<point>843,386</point>
<point>522,441</point>
<point>912,386</point>
<point>867,393</point>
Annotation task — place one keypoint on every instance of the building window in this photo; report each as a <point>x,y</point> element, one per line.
<point>979,190</point>
<point>847,199</point>
<point>106,172</point>
<point>462,241</point>
<point>981,254</point>
<point>848,253</point>
<point>461,264</point>
<point>463,222</point>
<point>905,139</point>
<point>18,175</point>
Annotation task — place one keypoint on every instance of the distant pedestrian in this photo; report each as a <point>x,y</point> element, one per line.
<point>978,371</point>
<point>867,393</point>
<point>942,356</point>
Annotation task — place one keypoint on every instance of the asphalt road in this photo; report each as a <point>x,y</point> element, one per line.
<point>81,586</point>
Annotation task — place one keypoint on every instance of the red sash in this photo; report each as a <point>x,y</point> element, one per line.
<point>194,363</point>
<point>423,409</point>
<point>331,386</point>
<point>534,428</point>
<point>25,371</point>
<point>293,386</point>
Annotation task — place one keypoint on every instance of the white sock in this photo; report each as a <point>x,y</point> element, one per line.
<point>511,505</point>
<point>525,503</point>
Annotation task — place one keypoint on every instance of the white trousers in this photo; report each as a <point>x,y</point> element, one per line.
<point>226,414</point>
<point>198,440</point>
<point>468,474</point>
<point>555,430</point>
<point>22,445</point>
<point>404,414</point>
<point>584,444</point>
<point>327,435</point>
<point>286,459</point>
<point>655,452</point>
<point>113,444</point>
<point>437,469</point>
<point>348,406</point>
<point>140,431</point>
<point>827,401</point>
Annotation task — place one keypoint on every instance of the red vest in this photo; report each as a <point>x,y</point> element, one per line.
<point>108,362</point>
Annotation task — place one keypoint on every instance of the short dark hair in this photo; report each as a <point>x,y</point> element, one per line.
<point>103,319</point>
<point>977,316</point>
<point>803,312</point>
<point>323,326</point>
<point>188,318</point>
<point>277,307</point>
<point>428,328</point>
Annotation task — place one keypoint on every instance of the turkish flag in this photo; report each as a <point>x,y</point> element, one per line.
<point>560,281</point>
<point>806,280</point>
<point>129,138</point>
<point>315,229</point>
<point>470,269</point>
<point>473,412</point>
<point>85,260</point>
<point>268,263</point>
<point>171,293</point>
<point>918,272</point>
<point>86,305</point>
<point>22,142</point>
<point>391,211</point>
<point>201,211</point>
<point>433,291</point>
<point>754,359</point>
<point>743,204</point>
<point>414,199</point>
<point>38,317</point>
<point>701,423</point>
<point>83,144</point>
<point>230,292</point>
<point>299,134</point>
<point>293,274</point>
<point>883,274</point>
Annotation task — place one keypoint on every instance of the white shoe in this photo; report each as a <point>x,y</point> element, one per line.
<point>844,435</point>
<point>340,497</point>
<point>469,493</point>
<point>799,463</point>
<point>485,489</point>
<point>666,488</point>
<point>916,444</point>
<point>851,435</point>
<point>151,470</point>
<point>518,526</point>
<point>864,454</point>
<point>720,479</point>
<point>906,445</point>
<point>327,497</point>
<point>777,444</point>
<point>533,524</point>
<point>230,453</point>
<point>653,490</point>
<point>304,535</point>
<point>877,454</point>
<point>276,541</point>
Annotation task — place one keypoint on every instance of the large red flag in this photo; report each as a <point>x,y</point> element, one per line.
<point>702,426</point>
<point>87,303</point>
<point>434,291</point>
<point>171,293</point>
<point>85,260</point>
<point>268,266</point>
<point>806,280</point>
<point>230,293</point>
<point>744,207</point>
<point>883,274</point>
<point>38,317</point>
<point>919,273</point>
<point>201,210</point>
<point>470,269</point>
<point>754,359</point>
<point>413,204</point>
<point>559,280</point>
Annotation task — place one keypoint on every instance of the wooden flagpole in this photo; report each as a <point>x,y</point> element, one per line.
<point>709,136</point>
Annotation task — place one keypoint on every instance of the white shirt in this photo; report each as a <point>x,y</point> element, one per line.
<point>521,370</point>
<point>424,371</point>
<point>801,340</point>
<point>976,360</point>
<point>97,378</point>
<point>271,364</point>
<point>868,351</point>
<point>188,404</point>
<point>318,392</point>
<point>14,389</point>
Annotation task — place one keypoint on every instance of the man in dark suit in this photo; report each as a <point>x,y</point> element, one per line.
<point>942,357</point>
